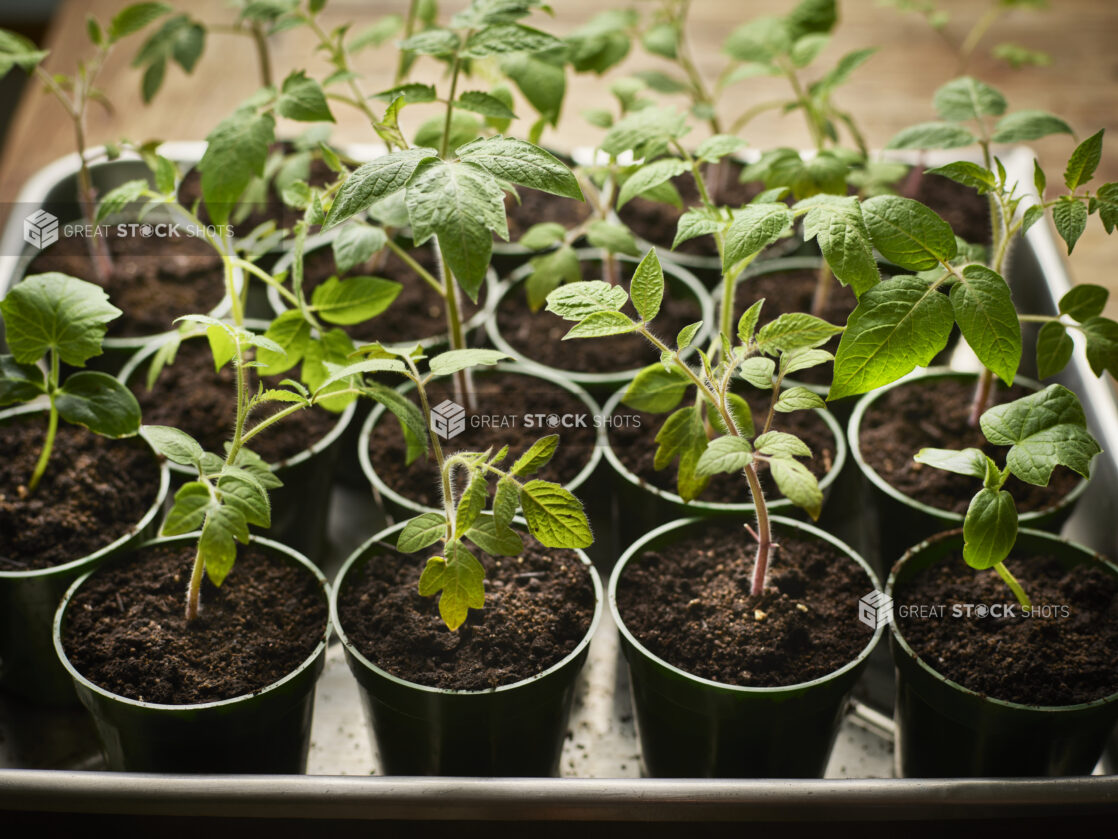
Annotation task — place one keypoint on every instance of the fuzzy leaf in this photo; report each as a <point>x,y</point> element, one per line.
<point>646,289</point>
<point>794,331</point>
<point>236,152</point>
<point>301,98</point>
<point>460,578</point>
<point>554,516</point>
<point>1070,217</point>
<point>1083,162</point>
<point>844,239</point>
<point>470,504</point>
<point>649,176</point>
<point>985,313</point>
<point>503,38</point>
<point>577,301</point>
<point>965,99</point>
<point>522,163</point>
<point>601,324</point>
<point>1102,345</point>
<point>354,299</point>
<point>968,174</point>
<point>421,532</point>
<point>538,455</point>
<point>175,445</point>
<point>694,223</point>
<point>373,181</point>
<point>493,540</point>
<point>797,484</point>
<point>656,390</point>
<point>724,454</point>
<point>759,372</point>
<point>754,227</point>
<point>485,104</point>
<point>684,436</point>
<point>799,399</point>
<point>1084,302</point>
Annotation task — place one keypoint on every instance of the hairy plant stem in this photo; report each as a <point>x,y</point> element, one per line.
<point>463,380</point>
<point>436,447</point>
<point>455,71</point>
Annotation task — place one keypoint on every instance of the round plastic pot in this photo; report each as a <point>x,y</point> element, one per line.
<point>514,730</point>
<point>267,731</point>
<point>691,727</point>
<point>600,385</point>
<point>301,507</point>
<point>647,506</point>
<point>947,730</point>
<point>28,600</point>
<point>892,521</point>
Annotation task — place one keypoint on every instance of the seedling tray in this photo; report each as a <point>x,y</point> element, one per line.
<point>50,762</point>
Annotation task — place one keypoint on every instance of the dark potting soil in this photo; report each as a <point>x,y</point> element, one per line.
<point>416,314</point>
<point>960,206</point>
<point>126,630</point>
<point>539,335</point>
<point>508,398</point>
<point>535,207</point>
<point>94,491</point>
<point>538,608</point>
<point>153,281</point>
<point>189,395</point>
<point>1063,653</point>
<point>914,416</point>
<point>635,446</point>
<point>690,604</point>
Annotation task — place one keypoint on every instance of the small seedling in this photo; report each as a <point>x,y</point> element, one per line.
<point>1044,430</point>
<point>56,319</point>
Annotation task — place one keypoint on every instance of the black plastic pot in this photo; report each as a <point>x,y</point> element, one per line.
<point>514,730</point>
<point>267,731</point>
<point>892,521</point>
<point>947,730</point>
<point>301,507</point>
<point>691,727</point>
<point>28,600</point>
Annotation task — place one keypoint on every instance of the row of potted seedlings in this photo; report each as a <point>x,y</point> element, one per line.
<point>466,624</point>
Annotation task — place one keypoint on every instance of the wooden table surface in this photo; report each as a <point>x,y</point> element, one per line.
<point>891,91</point>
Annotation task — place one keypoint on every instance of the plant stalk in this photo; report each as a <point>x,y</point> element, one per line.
<point>764,531</point>
<point>194,588</point>
<point>824,283</point>
<point>263,58</point>
<point>409,30</point>
<point>1014,585</point>
<point>981,397</point>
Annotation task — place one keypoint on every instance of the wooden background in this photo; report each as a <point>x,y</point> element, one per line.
<point>889,92</point>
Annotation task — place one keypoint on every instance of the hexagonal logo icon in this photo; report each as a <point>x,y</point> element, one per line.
<point>40,229</point>
<point>448,419</point>
<point>875,609</point>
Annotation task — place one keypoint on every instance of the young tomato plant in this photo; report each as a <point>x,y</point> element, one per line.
<point>56,319</point>
<point>1044,430</point>
<point>554,516</point>
<point>762,357</point>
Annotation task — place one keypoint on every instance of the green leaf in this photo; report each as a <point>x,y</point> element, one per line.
<point>971,462</point>
<point>302,99</point>
<point>1083,162</point>
<point>908,233</point>
<point>694,223</point>
<point>549,271</point>
<point>411,420</point>
<point>470,504</point>
<point>985,313</point>
<point>56,312</point>
<point>1032,215</point>
<point>754,227</point>
<point>577,301</point>
<point>236,152</point>
<point>538,455</point>
<point>649,176</point>
<point>932,135</point>
<point>356,244</point>
<point>647,287</point>
<point>508,37</point>
<point>544,235</point>
<point>522,163</point>
<point>241,492</point>
<point>19,382</point>
<point>748,321</point>
<point>807,49</point>
<point>116,200</point>
<point>506,500</point>
<point>1107,197</point>
<point>965,99</point>
<point>781,444</point>
<point>100,403</point>
<point>133,18</point>
<point>413,93</point>
<point>188,512</point>
<point>799,399</point>
<point>968,174</point>
<point>684,436</point>
<point>1070,217</point>
<point>897,326</point>
<point>803,359</point>
<point>615,238</point>
<point>354,299</point>
<point>460,578</point>
<point>724,454</point>
<point>1045,429</point>
<point>543,82</point>
<point>656,390</point>
<point>797,484</point>
<point>760,40</point>
<point>175,445</point>
<point>373,181</point>
<point>1102,345</point>
<point>360,368</point>
<point>989,529</point>
<point>451,361</point>
<point>293,334</point>
<point>1054,349</point>
<point>844,239</point>
<point>1022,126</point>
<point>437,42</point>
<point>1084,301</point>
<point>794,331</point>
<point>601,324</point>
<point>687,335</point>
<point>376,34</point>
<point>424,530</point>
<point>554,516</point>
<point>646,132</point>
<point>714,148</point>
<point>483,103</point>
<point>493,540</point>
<point>18,51</point>
<point>759,372</point>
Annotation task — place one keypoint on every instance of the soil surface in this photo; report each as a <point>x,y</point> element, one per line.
<point>690,604</point>
<point>508,398</point>
<point>189,395</point>
<point>961,206</point>
<point>1063,653</point>
<point>153,281</point>
<point>416,314</point>
<point>126,630</point>
<point>911,417</point>
<point>635,447</point>
<point>94,491</point>
<point>539,335</point>
<point>537,207</point>
<point>538,608</point>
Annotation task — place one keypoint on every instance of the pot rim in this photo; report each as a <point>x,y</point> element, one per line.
<point>944,536</point>
<point>345,416</point>
<point>517,277</point>
<point>380,538</point>
<point>866,401</point>
<point>634,551</point>
<point>715,506</point>
<point>289,554</point>
<point>414,506</point>
<point>116,544</point>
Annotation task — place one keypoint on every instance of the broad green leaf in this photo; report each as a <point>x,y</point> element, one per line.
<point>684,436</point>
<point>100,403</point>
<point>601,324</point>
<point>544,235</point>
<point>173,444</point>
<point>713,149</point>
<point>649,176</point>
<point>781,444</point>
<point>965,99</point>
<point>539,454</point>
<point>506,500</point>
<point>897,326</point>
<point>438,42</point>
<point>794,361</point>
<point>245,495</point>
<point>133,18</point>
<point>837,223</point>
<point>759,372</point>
<point>760,40</point>
<point>794,331</point>
<point>1070,217</point>
<point>522,163</point>
<point>908,233</point>
<point>452,361</point>
<point>724,454</point>
<point>1022,126</point>
<point>117,200</point>
<point>354,299</point>
<point>485,104</point>
<point>656,390</point>
<point>250,462</point>
<point>799,399</point>
<point>812,17</point>
<point>19,382</point>
<point>360,368</point>
<point>971,462</point>
<point>989,529</point>
<point>615,238</point>
<point>236,152</point>
<point>988,320</point>
<point>413,93</point>
<point>932,135</point>
<point>423,531</point>
<point>18,51</point>
<point>754,227</point>
<point>647,132</point>
<point>968,174</point>
<point>508,37</point>
<point>554,516</point>
<point>646,289</point>
<point>797,484</point>
<point>56,312</point>
<point>580,300</point>
<point>470,504</point>
<point>292,333</point>
<point>460,578</point>
<point>687,335</point>
<point>192,501</point>
<point>373,181</point>
<point>493,540</point>
<point>739,412</point>
<point>1032,215</point>
<point>1084,301</point>
<point>1044,429</point>
<point>1102,345</point>
<point>1083,162</point>
<point>302,99</point>
<point>356,244</point>
<point>1107,198</point>
<point>694,223</point>
<point>748,321</point>
<point>1054,349</point>
<point>542,81</point>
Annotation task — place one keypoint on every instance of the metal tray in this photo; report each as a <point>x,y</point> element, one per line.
<point>50,762</point>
